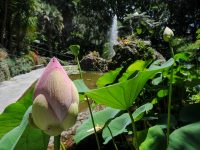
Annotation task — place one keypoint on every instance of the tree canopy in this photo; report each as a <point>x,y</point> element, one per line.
<point>58,24</point>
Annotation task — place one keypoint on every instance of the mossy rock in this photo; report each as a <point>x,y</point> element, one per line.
<point>93,62</point>
<point>129,50</point>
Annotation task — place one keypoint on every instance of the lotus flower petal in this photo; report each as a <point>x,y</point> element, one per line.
<point>56,86</point>
<point>56,99</point>
<point>42,115</point>
<point>70,119</point>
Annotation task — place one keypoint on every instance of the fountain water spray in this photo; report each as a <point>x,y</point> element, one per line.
<point>113,37</point>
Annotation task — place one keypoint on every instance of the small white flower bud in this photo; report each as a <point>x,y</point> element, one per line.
<point>167,34</point>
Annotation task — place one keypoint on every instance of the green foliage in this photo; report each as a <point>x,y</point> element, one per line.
<point>80,85</point>
<point>139,112</point>
<point>185,81</point>
<point>185,72</point>
<point>82,88</point>
<point>162,93</point>
<point>189,47</point>
<point>155,139</point>
<point>13,114</point>
<point>123,95</point>
<point>13,67</point>
<point>188,52</point>
<point>4,71</point>
<point>198,34</point>
<point>9,140</point>
<point>74,49</point>
<point>16,135</point>
<point>180,138</point>
<point>109,117</point>
<point>24,137</point>
<point>195,98</point>
<point>138,65</point>
<point>87,24</point>
<point>32,139</point>
<point>100,119</point>
<point>50,28</point>
<point>108,78</point>
<point>186,137</point>
<point>143,24</point>
<point>118,125</point>
<point>182,56</point>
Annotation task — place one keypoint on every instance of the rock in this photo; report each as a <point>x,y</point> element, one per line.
<point>93,62</point>
<point>132,49</point>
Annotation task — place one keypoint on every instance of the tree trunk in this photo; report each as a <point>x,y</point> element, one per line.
<point>8,39</point>
<point>49,41</point>
<point>3,27</point>
<point>49,38</point>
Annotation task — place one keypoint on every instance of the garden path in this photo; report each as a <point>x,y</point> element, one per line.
<point>11,90</point>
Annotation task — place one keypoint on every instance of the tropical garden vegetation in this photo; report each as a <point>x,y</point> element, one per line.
<point>149,88</point>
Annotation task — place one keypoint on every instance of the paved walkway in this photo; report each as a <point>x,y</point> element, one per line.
<point>11,90</point>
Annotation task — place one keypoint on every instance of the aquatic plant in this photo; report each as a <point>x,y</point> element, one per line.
<point>55,104</point>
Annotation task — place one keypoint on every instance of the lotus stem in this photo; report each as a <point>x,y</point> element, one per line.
<point>57,142</point>
<point>116,148</point>
<point>93,123</point>
<point>170,96</point>
<point>79,68</point>
<point>62,146</point>
<point>135,139</point>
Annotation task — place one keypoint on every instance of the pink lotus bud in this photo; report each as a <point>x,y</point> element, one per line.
<point>55,105</point>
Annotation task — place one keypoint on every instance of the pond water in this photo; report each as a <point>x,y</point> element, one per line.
<point>89,77</point>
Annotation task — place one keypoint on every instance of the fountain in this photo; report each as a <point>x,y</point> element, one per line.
<point>113,37</point>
